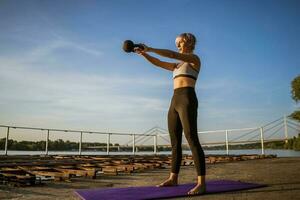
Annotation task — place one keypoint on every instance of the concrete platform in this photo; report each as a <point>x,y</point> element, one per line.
<point>281,174</point>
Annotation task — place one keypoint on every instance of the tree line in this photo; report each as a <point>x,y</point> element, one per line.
<point>57,145</point>
<point>295,91</point>
<point>60,145</point>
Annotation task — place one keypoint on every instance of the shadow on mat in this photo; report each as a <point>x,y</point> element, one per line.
<point>256,190</point>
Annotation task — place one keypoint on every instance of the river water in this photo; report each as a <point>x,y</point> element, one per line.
<point>278,152</point>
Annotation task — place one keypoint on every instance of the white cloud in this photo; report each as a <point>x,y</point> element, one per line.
<point>35,97</point>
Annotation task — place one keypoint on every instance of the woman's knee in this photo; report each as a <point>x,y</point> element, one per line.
<point>191,136</point>
<point>176,145</point>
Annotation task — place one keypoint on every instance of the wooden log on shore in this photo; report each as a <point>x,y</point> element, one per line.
<point>46,172</point>
<point>65,167</point>
<point>17,177</point>
<point>75,171</point>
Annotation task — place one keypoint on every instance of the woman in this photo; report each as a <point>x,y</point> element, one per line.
<point>183,108</point>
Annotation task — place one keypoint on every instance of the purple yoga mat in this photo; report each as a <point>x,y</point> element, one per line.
<point>153,192</point>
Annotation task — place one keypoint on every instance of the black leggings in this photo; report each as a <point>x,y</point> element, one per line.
<point>183,115</point>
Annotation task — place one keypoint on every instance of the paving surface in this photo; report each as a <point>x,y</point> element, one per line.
<point>282,175</point>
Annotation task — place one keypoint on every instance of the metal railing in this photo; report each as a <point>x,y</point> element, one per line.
<point>159,133</point>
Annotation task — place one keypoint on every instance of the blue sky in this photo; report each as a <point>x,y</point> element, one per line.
<point>62,65</point>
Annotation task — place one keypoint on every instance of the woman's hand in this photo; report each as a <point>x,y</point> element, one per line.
<point>139,50</point>
<point>146,48</point>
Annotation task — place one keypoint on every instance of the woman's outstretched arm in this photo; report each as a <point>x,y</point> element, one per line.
<point>157,62</point>
<point>190,58</point>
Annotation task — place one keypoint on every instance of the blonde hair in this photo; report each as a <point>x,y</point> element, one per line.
<point>189,38</point>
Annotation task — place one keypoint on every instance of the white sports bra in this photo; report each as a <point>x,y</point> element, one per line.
<point>184,69</point>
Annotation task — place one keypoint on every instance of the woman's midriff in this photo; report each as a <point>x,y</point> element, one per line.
<point>180,82</point>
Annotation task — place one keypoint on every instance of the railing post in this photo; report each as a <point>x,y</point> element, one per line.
<point>155,144</point>
<point>227,146</point>
<point>80,143</point>
<point>47,142</point>
<point>262,141</point>
<point>133,144</point>
<point>6,140</point>
<point>285,129</point>
<point>108,141</point>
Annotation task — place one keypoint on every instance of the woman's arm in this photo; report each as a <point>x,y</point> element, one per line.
<point>190,58</point>
<point>157,62</point>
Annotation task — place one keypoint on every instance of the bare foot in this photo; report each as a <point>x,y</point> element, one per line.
<point>168,182</point>
<point>198,189</point>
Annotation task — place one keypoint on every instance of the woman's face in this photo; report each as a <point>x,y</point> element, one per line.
<point>183,46</point>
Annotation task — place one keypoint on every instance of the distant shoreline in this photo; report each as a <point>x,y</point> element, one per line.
<point>60,145</point>
<point>278,152</point>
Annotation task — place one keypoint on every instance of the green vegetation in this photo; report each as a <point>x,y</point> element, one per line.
<point>57,145</point>
<point>295,90</point>
<point>60,145</point>
<point>293,143</point>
